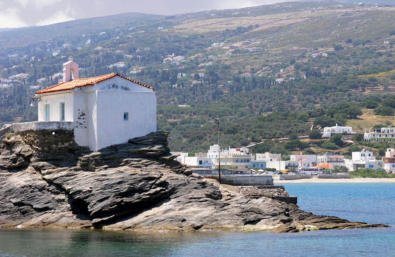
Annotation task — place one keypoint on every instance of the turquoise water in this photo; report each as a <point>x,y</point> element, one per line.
<point>373,203</point>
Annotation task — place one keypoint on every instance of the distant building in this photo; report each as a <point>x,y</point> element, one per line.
<point>238,158</point>
<point>389,160</point>
<point>272,160</point>
<point>383,134</point>
<point>304,161</point>
<point>278,165</point>
<point>197,161</point>
<point>268,157</point>
<point>363,160</point>
<point>330,161</point>
<point>257,165</point>
<point>329,131</point>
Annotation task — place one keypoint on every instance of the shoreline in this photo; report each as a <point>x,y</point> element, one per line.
<point>334,181</point>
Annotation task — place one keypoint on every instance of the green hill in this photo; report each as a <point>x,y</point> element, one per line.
<point>267,71</point>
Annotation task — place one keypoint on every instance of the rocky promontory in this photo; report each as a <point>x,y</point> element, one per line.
<point>47,181</point>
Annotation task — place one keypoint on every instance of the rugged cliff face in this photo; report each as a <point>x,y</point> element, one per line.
<point>46,180</point>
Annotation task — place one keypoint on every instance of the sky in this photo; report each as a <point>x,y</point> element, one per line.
<point>21,13</point>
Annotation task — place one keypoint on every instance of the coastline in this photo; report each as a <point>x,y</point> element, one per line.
<point>334,181</point>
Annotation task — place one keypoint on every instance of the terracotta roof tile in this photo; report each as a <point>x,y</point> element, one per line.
<point>85,82</point>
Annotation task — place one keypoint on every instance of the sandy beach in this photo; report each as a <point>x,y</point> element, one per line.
<point>348,180</point>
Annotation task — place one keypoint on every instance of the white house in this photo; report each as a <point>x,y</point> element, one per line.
<point>382,134</point>
<point>328,131</point>
<point>389,160</point>
<point>105,110</point>
<point>197,161</point>
<point>304,160</point>
<point>273,161</point>
<point>363,159</point>
<point>233,157</point>
<point>268,157</point>
<point>330,161</point>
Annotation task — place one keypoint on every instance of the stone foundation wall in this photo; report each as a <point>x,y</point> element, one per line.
<point>35,126</point>
<point>294,176</point>
<point>247,180</point>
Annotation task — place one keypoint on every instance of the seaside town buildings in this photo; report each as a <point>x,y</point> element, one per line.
<point>241,159</point>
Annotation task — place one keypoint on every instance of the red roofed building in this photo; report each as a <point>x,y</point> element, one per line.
<point>105,110</point>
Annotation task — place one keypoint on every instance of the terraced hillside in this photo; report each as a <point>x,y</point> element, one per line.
<point>268,71</point>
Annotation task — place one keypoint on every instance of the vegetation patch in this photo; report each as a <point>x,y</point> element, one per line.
<point>369,173</point>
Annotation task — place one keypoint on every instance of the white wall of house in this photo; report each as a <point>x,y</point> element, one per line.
<point>268,157</point>
<point>112,128</point>
<point>54,100</point>
<point>84,113</point>
<point>389,167</point>
<point>278,165</point>
<point>304,161</point>
<point>363,156</point>
<point>390,153</point>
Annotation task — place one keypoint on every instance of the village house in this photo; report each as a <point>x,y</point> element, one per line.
<point>363,160</point>
<point>257,165</point>
<point>330,161</point>
<point>238,158</point>
<point>329,131</point>
<point>389,160</point>
<point>104,110</point>
<point>268,157</point>
<point>383,134</point>
<point>200,160</point>
<point>304,161</point>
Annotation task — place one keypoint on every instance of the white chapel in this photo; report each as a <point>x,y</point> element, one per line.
<point>105,110</point>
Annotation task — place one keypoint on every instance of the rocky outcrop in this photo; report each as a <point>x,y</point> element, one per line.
<point>46,180</point>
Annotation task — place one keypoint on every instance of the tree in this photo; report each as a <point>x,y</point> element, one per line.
<point>384,111</point>
<point>358,137</point>
<point>296,144</point>
<point>340,169</point>
<point>337,140</point>
<point>371,103</point>
<point>315,134</point>
<point>324,121</point>
<point>329,145</point>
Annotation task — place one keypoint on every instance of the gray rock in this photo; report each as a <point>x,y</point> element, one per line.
<point>48,181</point>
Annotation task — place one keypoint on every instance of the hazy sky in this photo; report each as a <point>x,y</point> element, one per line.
<point>19,13</point>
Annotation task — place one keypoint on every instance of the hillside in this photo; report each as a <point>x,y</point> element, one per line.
<point>267,71</point>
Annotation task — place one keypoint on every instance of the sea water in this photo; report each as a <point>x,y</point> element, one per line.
<point>373,203</point>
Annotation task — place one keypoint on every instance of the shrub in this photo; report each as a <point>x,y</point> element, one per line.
<point>329,145</point>
<point>296,145</point>
<point>370,173</point>
<point>337,140</point>
<point>315,134</point>
<point>384,111</point>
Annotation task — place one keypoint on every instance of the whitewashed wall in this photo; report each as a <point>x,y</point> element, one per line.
<point>115,97</point>
<point>111,126</point>
<point>54,101</point>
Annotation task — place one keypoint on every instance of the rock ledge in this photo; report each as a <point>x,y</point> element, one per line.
<point>46,180</point>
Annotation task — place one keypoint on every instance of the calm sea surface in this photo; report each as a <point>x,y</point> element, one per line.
<point>374,203</point>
